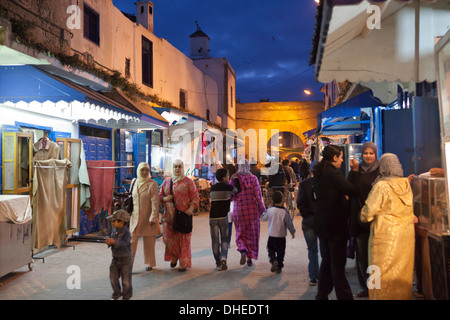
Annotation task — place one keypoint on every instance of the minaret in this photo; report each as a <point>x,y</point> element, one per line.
<point>144,14</point>
<point>199,44</point>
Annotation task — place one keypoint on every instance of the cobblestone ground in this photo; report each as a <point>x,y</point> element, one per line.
<point>49,277</point>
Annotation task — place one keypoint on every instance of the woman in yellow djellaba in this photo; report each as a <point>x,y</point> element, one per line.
<point>389,208</point>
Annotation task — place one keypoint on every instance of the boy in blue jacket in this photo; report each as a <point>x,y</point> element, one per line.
<point>121,265</point>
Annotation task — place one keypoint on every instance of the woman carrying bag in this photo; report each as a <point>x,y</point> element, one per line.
<point>177,193</point>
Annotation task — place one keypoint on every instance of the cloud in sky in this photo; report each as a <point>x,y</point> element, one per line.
<point>266,42</point>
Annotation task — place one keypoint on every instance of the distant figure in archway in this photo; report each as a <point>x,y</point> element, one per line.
<point>304,169</point>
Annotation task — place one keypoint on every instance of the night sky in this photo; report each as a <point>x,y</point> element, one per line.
<point>267,42</point>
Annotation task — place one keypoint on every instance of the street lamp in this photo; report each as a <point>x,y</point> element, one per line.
<point>308,92</point>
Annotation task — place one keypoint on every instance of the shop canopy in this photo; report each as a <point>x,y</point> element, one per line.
<point>349,45</point>
<point>34,90</point>
<point>346,118</point>
<point>177,117</point>
<point>308,134</point>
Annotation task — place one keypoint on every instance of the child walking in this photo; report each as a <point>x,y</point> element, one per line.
<point>279,222</point>
<point>121,264</point>
<point>221,193</point>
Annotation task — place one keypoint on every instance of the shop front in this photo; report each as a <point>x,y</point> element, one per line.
<point>409,46</point>
<point>50,129</point>
<point>349,125</point>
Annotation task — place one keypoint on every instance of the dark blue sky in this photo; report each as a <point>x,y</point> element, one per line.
<point>267,42</point>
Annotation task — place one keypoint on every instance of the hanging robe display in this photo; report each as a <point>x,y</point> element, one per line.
<point>49,202</point>
<point>101,177</point>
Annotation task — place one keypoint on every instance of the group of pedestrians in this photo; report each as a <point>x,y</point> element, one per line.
<point>373,205</point>
<point>238,194</point>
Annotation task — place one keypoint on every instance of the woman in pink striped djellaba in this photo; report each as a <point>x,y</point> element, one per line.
<point>248,208</point>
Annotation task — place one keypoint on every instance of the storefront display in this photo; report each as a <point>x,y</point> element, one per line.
<point>49,202</point>
<point>442,52</point>
<point>430,202</point>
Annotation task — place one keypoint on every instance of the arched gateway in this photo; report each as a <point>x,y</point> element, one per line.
<point>294,116</point>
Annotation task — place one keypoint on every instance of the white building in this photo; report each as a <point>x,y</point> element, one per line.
<point>88,71</point>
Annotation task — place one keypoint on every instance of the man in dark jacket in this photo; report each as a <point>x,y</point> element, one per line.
<point>307,206</point>
<point>331,223</point>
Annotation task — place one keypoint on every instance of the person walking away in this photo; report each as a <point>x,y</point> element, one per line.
<point>231,171</point>
<point>279,222</point>
<point>278,182</point>
<point>290,172</point>
<point>389,209</point>
<point>295,165</point>
<point>362,177</point>
<point>121,265</point>
<point>255,171</point>
<point>331,223</point>
<point>182,195</point>
<point>221,193</point>
<point>144,221</point>
<point>248,208</point>
<point>307,206</point>
<point>304,170</point>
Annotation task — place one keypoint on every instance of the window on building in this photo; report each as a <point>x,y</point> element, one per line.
<point>127,68</point>
<point>147,62</point>
<point>91,24</point>
<point>95,132</point>
<point>183,99</point>
<point>232,97</point>
<point>208,115</point>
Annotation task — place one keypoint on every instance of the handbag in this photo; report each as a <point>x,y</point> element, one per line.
<point>128,203</point>
<point>182,222</point>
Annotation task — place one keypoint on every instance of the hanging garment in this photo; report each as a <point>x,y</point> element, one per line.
<point>83,176</point>
<point>46,149</point>
<point>101,177</point>
<point>49,202</point>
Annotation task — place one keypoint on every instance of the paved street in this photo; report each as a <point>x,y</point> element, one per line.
<point>202,282</point>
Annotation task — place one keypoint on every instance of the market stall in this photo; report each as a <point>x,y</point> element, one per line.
<point>430,206</point>
<point>415,48</point>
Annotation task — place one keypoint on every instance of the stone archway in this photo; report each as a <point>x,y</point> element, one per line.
<point>296,117</point>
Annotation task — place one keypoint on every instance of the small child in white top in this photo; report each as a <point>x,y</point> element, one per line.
<point>279,223</point>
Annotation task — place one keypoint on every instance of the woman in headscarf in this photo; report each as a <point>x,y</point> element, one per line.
<point>362,177</point>
<point>144,221</point>
<point>389,208</point>
<point>185,197</point>
<point>248,208</point>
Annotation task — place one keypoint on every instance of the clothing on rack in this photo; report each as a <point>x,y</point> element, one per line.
<point>46,149</point>
<point>83,177</point>
<point>101,176</point>
<point>49,202</point>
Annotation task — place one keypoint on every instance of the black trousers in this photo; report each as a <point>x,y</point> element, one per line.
<point>332,269</point>
<point>276,248</point>
<point>362,259</point>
